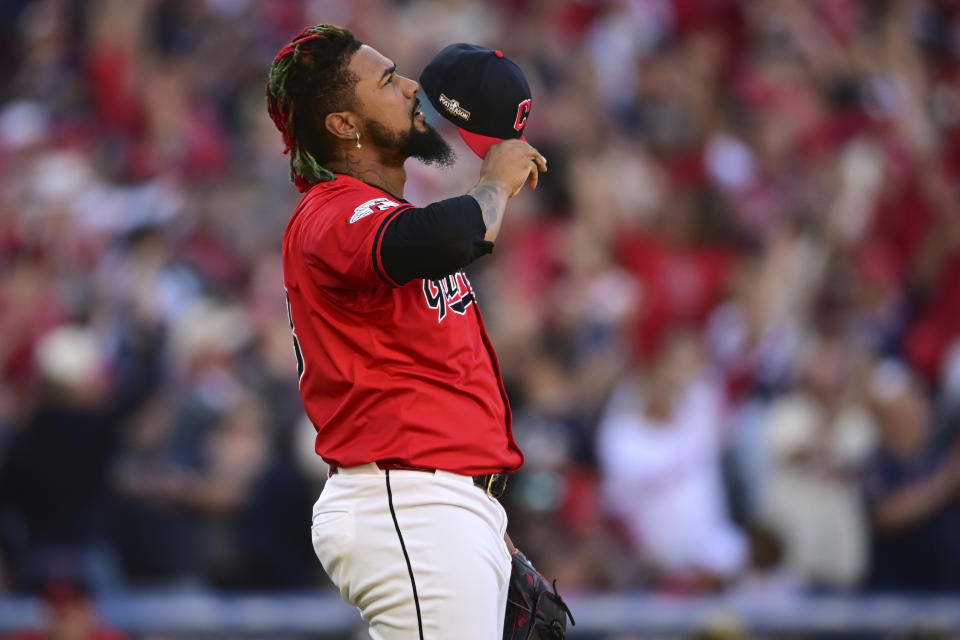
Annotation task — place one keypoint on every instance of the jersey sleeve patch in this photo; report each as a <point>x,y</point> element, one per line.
<point>372,206</point>
<point>340,237</point>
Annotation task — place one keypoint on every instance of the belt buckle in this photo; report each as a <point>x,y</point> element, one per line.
<point>496,484</point>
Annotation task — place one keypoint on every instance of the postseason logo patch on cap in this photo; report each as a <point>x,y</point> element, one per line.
<point>480,91</point>
<point>453,106</point>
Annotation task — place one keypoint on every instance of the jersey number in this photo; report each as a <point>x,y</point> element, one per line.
<point>296,341</point>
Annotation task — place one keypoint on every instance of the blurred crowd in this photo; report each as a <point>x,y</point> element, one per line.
<point>728,319</point>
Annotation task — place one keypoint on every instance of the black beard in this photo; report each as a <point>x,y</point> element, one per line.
<point>427,146</point>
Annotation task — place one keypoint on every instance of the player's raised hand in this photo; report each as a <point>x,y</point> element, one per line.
<point>511,164</point>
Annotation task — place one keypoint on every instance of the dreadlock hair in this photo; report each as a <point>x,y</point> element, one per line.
<point>308,80</point>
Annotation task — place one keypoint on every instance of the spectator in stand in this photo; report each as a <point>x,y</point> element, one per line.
<point>817,440</point>
<point>659,448</point>
<point>56,482</point>
<point>913,491</point>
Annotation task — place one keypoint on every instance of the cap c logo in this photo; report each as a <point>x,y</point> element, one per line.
<point>523,110</point>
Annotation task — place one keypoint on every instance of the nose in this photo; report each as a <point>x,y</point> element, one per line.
<point>413,87</point>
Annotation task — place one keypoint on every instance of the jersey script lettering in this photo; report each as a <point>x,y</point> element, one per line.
<point>453,292</point>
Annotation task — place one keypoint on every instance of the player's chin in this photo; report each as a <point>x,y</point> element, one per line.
<point>420,128</point>
<point>427,145</point>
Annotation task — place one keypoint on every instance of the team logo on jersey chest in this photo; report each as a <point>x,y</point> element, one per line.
<point>451,293</point>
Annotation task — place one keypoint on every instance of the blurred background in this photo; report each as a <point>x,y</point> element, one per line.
<point>728,319</point>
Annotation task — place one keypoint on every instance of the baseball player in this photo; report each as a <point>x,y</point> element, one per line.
<point>396,370</point>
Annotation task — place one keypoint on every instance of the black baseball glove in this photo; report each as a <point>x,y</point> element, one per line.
<point>534,611</point>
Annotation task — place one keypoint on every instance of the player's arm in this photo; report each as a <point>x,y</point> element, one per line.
<point>434,241</point>
<point>446,236</point>
<point>508,166</point>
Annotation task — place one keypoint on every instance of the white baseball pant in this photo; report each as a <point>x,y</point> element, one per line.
<point>421,555</point>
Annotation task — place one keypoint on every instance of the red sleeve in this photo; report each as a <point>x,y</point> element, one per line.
<point>343,240</point>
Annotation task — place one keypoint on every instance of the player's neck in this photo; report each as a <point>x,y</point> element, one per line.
<point>365,165</point>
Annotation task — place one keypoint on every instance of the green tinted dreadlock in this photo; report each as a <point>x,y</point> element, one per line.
<point>308,80</point>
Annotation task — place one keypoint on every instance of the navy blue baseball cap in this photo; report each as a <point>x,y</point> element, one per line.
<point>481,92</point>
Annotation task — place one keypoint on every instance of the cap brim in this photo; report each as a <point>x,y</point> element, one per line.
<point>479,144</point>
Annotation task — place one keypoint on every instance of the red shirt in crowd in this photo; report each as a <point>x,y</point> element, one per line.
<point>388,372</point>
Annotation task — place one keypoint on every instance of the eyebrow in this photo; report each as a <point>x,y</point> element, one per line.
<point>387,72</point>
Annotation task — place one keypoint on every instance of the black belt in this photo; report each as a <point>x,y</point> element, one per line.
<point>493,484</point>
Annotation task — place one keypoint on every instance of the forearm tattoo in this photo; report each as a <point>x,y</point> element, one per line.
<point>491,202</point>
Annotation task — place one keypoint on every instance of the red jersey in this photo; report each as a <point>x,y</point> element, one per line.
<point>388,373</point>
